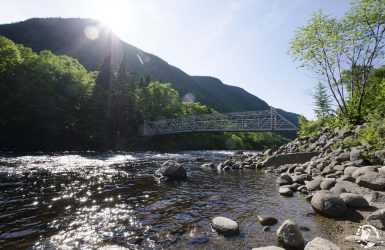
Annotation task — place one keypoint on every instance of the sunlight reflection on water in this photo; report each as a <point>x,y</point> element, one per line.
<point>91,200</point>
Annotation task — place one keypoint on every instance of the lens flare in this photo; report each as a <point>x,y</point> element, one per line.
<point>91,32</point>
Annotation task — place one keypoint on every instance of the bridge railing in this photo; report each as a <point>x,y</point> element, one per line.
<point>263,120</point>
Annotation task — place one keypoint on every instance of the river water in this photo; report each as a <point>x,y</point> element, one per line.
<point>112,201</point>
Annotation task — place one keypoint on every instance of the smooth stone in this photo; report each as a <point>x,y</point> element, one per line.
<point>290,236</point>
<point>350,170</point>
<point>327,184</point>
<point>284,179</point>
<point>354,200</point>
<point>285,191</point>
<point>225,226</point>
<point>314,184</point>
<point>343,157</point>
<point>268,248</point>
<point>267,220</point>
<point>319,243</point>
<point>364,170</point>
<point>377,219</point>
<point>372,180</point>
<point>345,178</point>
<point>328,204</point>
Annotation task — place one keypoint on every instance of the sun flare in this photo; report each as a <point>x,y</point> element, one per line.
<point>115,14</point>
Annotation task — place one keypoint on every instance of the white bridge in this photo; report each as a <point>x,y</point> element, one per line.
<point>253,121</point>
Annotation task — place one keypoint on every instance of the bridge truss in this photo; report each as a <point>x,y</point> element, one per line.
<point>257,121</point>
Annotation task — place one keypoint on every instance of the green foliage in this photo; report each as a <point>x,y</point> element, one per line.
<point>219,140</point>
<point>373,134</point>
<point>50,102</point>
<point>313,128</point>
<point>43,97</point>
<point>158,101</point>
<point>331,47</point>
<point>322,101</point>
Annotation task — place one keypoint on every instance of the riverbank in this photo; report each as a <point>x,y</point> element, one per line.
<point>344,185</point>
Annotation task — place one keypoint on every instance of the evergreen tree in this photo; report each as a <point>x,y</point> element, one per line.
<point>102,102</point>
<point>322,101</point>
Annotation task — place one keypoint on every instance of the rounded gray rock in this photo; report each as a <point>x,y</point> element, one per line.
<point>290,236</point>
<point>319,243</point>
<point>372,180</point>
<point>314,184</point>
<point>329,204</point>
<point>284,179</point>
<point>225,226</point>
<point>285,191</point>
<point>354,200</point>
<point>172,170</point>
<point>377,219</point>
<point>350,170</point>
<point>363,170</point>
<point>327,183</point>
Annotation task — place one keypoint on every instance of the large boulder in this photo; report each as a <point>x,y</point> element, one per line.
<point>354,200</point>
<point>377,219</point>
<point>172,170</point>
<point>319,243</point>
<point>289,235</point>
<point>372,180</point>
<point>364,170</point>
<point>351,187</point>
<point>225,226</point>
<point>329,204</point>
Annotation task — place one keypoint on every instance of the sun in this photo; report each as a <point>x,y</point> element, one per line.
<point>116,14</point>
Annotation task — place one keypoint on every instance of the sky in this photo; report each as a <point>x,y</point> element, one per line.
<point>242,42</point>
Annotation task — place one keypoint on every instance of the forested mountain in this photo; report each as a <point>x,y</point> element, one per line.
<point>68,37</point>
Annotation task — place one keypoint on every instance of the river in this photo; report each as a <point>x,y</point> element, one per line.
<point>112,201</point>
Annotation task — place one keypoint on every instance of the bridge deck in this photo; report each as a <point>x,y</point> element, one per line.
<point>255,121</point>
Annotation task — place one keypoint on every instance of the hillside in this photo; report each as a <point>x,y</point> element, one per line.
<point>67,36</point>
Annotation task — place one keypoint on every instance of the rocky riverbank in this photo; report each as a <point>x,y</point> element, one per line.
<point>344,184</point>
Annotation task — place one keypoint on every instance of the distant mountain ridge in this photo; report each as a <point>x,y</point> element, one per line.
<point>67,36</point>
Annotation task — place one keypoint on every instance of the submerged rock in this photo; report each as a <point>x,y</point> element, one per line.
<point>319,243</point>
<point>329,204</point>
<point>267,220</point>
<point>290,236</point>
<point>172,170</point>
<point>225,226</point>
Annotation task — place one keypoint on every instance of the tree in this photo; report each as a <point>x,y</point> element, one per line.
<point>158,100</point>
<point>43,98</point>
<point>322,101</point>
<point>330,46</point>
